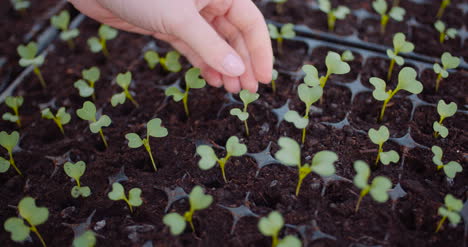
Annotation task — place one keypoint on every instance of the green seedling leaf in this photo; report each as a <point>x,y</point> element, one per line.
<point>234,147</point>
<point>290,241</point>
<point>151,58</point>
<point>440,71</point>
<point>92,74</point>
<point>449,61</point>
<point>273,30</point>
<point>118,193</point>
<point>440,26</point>
<point>312,77</point>
<point>4,165</point>
<point>198,199</point>
<point>172,61</point>
<point>247,97</point>
<point>450,210</point>
<point>14,102</point>
<point>347,56</point>
<point>451,168</point>
<point>87,239</point>
<point>397,13</point>
<point>84,89</point>
<point>63,116</point>
<point>176,223</point>
<point>389,157</point>
<point>9,141</point>
<point>309,95</point>
<point>134,197</point>
<point>274,75</point>
<point>104,121</point>
<point>208,157</point>
<point>118,98</point>
<point>407,81</point>
<point>289,153</point>
<point>379,189</point>
<point>335,65</point>
<point>439,129</point>
<point>61,20</point>
<point>400,44</point>
<point>325,5</point>
<point>80,191</point>
<point>155,129</point>
<point>193,80</point>
<point>76,170</point>
<point>379,136</point>
<point>380,6</point>
<point>446,110</point>
<point>124,79</point>
<point>20,5</point>
<point>87,112</point>
<point>94,45</point>
<point>298,121</point>
<point>69,34</point>
<point>29,51</point>
<point>176,94</point>
<point>47,114</point>
<point>239,113</point>
<point>398,59</point>
<point>379,92</point>
<point>341,12</point>
<point>10,117</point>
<point>362,174</point>
<point>438,153</point>
<point>16,226</point>
<point>38,61</point>
<point>287,31</point>
<point>271,225</point>
<point>322,163</point>
<point>134,140</point>
<point>34,215</point>
<point>107,33</point>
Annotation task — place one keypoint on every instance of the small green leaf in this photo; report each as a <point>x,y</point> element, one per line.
<point>134,140</point>
<point>311,78</point>
<point>14,102</point>
<point>322,163</point>
<point>380,6</point>
<point>453,203</point>
<point>273,30</point>
<point>440,26</point>
<point>92,74</point>
<point>451,169</point>
<point>104,121</point>
<point>438,153</point>
<point>151,58</point>
<point>379,188</point>
<point>198,199</point>
<point>75,170</point>
<point>208,157</point>
<point>272,224</point>
<point>298,121</point>
<point>325,5</point>
<point>234,147</point>
<point>4,165</point>
<point>61,20</point>
<point>239,113</point>
<point>87,239</point>
<point>172,61</point>
<point>118,99</point>
<point>309,95</point>
<point>449,61</point>
<point>28,210</point>
<point>84,89</point>
<point>347,56</point>
<point>397,13</point>
<point>37,61</point>
<point>28,51</point>
<point>379,136</point>
<point>19,231</point>
<point>379,92</point>
<point>87,112</point>
<point>94,44</point>
<point>124,79</point>
<point>389,157</point>
<point>407,81</point>
<point>193,80</point>
<point>362,174</point>
<point>10,117</point>
<point>289,153</point>
<point>451,33</point>
<point>107,33</point>
<point>290,241</point>
<point>274,75</point>
<point>439,70</point>
<point>117,192</point>
<point>176,94</point>
<point>155,129</point>
<point>69,34</point>
<point>439,128</point>
<point>63,116</point>
<point>247,97</point>
<point>176,223</point>
<point>335,65</point>
<point>341,12</point>
<point>134,197</point>
<point>287,31</point>
<point>9,141</point>
<point>80,191</point>
<point>400,44</point>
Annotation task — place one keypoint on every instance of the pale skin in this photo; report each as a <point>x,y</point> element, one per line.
<point>227,39</point>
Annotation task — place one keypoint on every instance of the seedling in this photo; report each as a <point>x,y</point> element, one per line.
<point>381,7</point>
<point>85,86</point>
<point>335,65</point>
<point>347,56</point>
<point>14,103</point>
<point>406,81</point>
<point>271,226</point>
<point>9,142</point>
<point>154,129</point>
<point>123,80</point>
<point>378,188</point>
<point>286,32</point>
<point>86,239</point>
<point>448,62</point>
<point>451,210</point>
<point>198,201</point>
<point>29,57</point>
<point>445,33</point>
<point>379,137</point>
<point>309,96</point>
<point>30,213</point>
<point>246,97</point>
<point>290,155</point>
<point>399,45</point>
<point>192,80</point>
<point>274,77</point>
<point>451,168</point>
<point>21,5</point>
<point>60,119</point>
<point>445,111</point>
<point>443,6</point>
<point>169,63</point>
<point>105,33</point>
<point>338,13</point>
<point>279,5</point>
<point>209,159</point>
<point>75,171</point>
<point>88,112</point>
<point>61,21</point>
<point>133,199</point>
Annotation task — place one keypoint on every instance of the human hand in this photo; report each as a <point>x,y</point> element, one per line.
<point>227,39</point>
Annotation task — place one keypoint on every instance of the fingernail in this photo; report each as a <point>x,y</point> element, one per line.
<point>233,65</point>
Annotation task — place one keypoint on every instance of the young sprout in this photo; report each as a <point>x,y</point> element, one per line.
<point>75,171</point>
<point>246,97</point>
<point>338,13</point>
<point>88,112</point>
<point>286,32</point>
<point>209,159</point>
<point>28,58</point>
<point>381,7</point>
<point>21,5</point>
<point>85,86</point>
<point>347,56</point>
<point>406,81</point>
<point>379,137</point>
<point>169,63</point>
<point>154,129</point>
<point>378,188</point>
<point>9,142</point>
<point>61,21</point>
<point>105,33</point>
<point>443,6</point>
<point>448,62</point>
<point>118,193</point>
<point>271,226</point>
<point>30,213</point>
<point>451,168</point>
<point>14,103</point>
<point>450,210</point>
<point>123,80</point>
<point>335,65</point>
<point>399,45</point>
<point>445,33</point>
<point>290,155</point>
<point>309,96</point>
<point>274,77</point>
<point>198,200</point>
<point>60,119</point>
<point>86,239</point>
<point>445,111</point>
<point>192,80</point>
<point>279,5</point>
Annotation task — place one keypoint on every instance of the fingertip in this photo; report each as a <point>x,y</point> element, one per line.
<point>212,77</point>
<point>233,65</point>
<point>231,84</point>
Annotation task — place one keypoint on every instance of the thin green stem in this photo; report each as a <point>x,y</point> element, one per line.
<point>306,116</point>
<point>384,106</point>
<point>279,42</point>
<point>436,133</point>
<point>16,111</point>
<point>362,194</point>
<point>439,79</point>
<point>189,218</point>
<point>103,138</point>
<point>185,101</point>
<point>130,97</point>
<point>59,125</point>
<point>442,7</point>
<point>390,68</point>
<point>441,222</point>
<point>441,37</point>
<point>331,22</point>
<point>71,44</point>
<point>34,229</point>
<point>378,154</point>
<point>222,164</point>
<point>104,48</point>
<point>383,23</point>
<point>246,126</point>
<point>12,162</point>
<point>148,149</point>
<point>38,73</point>
<point>273,86</point>
<point>128,203</point>
<point>274,241</point>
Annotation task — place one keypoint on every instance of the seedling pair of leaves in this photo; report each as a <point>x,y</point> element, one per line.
<point>335,66</point>
<point>86,85</point>
<point>62,21</point>
<point>290,155</point>
<point>169,63</point>
<point>443,6</point>
<point>286,32</point>
<point>444,32</point>
<point>247,98</point>
<point>88,112</point>
<point>192,80</point>
<point>445,111</point>
<point>381,7</point>
<point>14,102</point>
<point>448,62</point>
<point>133,199</point>
<point>378,188</point>
<point>154,129</point>
<point>9,142</point>
<point>21,5</point>
<point>406,81</point>
<point>333,14</point>
<point>97,44</point>
<point>60,118</point>
<point>271,226</point>
<point>451,210</point>
<point>198,200</point>
<point>29,57</point>
<point>33,216</point>
<point>379,137</point>
<point>400,45</point>
<point>75,171</point>
<point>209,159</point>
<point>451,168</point>
<point>123,80</point>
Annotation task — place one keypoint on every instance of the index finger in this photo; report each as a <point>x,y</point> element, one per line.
<point>251,23</point>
